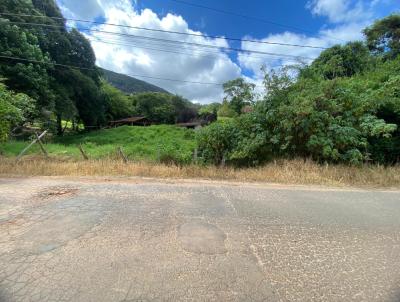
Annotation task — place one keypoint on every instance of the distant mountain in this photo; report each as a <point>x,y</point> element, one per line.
<point>129,84</point>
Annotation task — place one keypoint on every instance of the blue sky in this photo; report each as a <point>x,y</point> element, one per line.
<point>312,22</point>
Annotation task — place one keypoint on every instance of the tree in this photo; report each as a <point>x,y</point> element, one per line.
<point>238,93</point>
<point>185,111</point>
<point>209,112</point>
<point>163,107</point>
<point>118,104</point>
<point>330,120</point>
<point>88,99</point>
<point>15,109</point>
<point>225,110</point>
<point>216,141</point>
<point>23,76</point>
<point>342,61</point>
<point>57,88</point>
<point>155,106</point>
<point>383,37</point>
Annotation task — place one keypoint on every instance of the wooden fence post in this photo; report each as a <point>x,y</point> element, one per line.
<point>123,156</point>
<point>83,152</point>
<point>195,156</point>
<point>223,161</point>
<point>41,145</point>
<point>30,145</point>
<point>158,153</point>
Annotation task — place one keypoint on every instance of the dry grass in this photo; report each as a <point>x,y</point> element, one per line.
<point>284,172</point>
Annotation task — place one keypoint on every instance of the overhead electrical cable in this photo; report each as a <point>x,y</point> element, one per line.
<point>171,32</point>
<point>170,41</point>
<point>197,52</point>
<point>93,69</point>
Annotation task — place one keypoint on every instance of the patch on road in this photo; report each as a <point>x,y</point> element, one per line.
<point>55,231</point>
<point>56,191</point>
<point>202,238</point>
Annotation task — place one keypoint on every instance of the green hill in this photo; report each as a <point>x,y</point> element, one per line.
<point>129,84</point>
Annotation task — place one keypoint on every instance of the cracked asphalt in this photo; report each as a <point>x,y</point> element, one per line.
<point>86,239</point>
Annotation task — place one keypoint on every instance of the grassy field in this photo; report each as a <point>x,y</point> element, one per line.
<point>138,143</point>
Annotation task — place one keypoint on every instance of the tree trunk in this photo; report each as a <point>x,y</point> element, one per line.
<point>59,125</point>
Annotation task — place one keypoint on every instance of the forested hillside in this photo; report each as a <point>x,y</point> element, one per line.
<point>129,84</point>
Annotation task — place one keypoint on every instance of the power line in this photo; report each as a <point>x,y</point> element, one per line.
<point>171,32</point>
<point>246,17</point>
<point>170,41</point>
<point>204,54</point>
<point>93,69</point>
<point>198,52</point>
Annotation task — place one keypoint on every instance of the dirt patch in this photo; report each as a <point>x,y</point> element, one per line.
<point>56,191</point>
<point>14,221</point>
<point>202,238</point>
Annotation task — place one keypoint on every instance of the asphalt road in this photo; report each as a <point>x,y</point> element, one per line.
<point>148,240</point>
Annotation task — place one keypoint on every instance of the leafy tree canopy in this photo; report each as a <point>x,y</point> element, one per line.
<point>383,37</point>
<point>238,93</point>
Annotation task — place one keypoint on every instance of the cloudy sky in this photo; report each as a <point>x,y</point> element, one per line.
<point>139,52</point>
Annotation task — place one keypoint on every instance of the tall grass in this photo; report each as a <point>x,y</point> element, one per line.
<point>284,172</point>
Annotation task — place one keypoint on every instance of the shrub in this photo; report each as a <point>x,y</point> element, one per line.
<point>173,156</point>
<point>217,140</point>
<point>14,110</point>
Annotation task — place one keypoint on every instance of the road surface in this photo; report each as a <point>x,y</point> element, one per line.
<point>65,239</point>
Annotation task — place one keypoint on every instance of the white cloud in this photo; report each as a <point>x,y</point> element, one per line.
<point>299,54</point>
<point>136,56</point>
<point>353,17</point>
<point>88,9</point>
<point>325,38</point>
<point>339,11</point>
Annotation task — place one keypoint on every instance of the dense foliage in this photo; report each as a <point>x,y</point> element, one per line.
<point>344,107</point>
<point>163,107</point>
<point>383,37</point>
<point>36,52</point>
<point>15,108</point>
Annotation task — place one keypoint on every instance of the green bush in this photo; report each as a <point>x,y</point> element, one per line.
<point>15,109</point>
<point>240,141</point>
<point>216,141</point>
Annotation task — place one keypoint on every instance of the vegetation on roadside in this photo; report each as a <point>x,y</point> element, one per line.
<point>282,172</point>
<point>159,143</point>
<point>343,108</point>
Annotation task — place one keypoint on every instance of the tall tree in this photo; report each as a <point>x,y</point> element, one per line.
<point>239,93</point>
<point>341,61</point>
<point>383,37</point>
<point>21,75</point>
